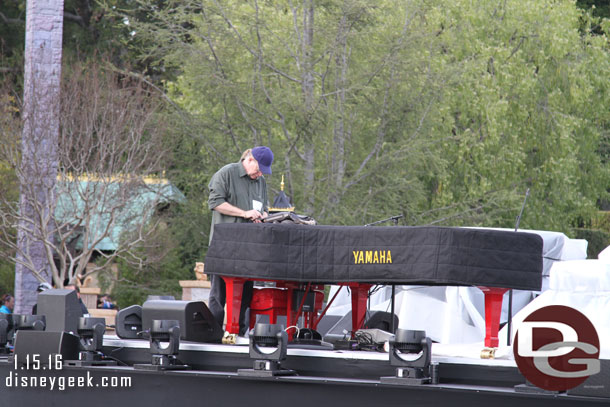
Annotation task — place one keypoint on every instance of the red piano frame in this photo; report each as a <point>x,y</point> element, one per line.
<point>280,302</point>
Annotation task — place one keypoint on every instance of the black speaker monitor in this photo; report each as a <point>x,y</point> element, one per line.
<point>129,322</point>
<point>3,333</point>
<point>196,321</point>
<point>43,345</point>
<point>598,385</point>
<point>61,310</point>
<point>381,320</point>
<point>8,318</point>
<point>9,323</point>
<point>327,322</point>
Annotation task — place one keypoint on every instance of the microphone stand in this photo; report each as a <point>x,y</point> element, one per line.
<point>510,292</point>
<point>395,220</point>
<point>391,218</point>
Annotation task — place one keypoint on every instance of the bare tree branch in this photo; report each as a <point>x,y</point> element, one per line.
<point>74,18</point>
<point>7,20</point>
<point>250,50</point>
<point>111,155</point>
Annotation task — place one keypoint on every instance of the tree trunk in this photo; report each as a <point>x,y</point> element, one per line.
<point>339,132</point>
<point>38,171</point>
<point>308,99</point>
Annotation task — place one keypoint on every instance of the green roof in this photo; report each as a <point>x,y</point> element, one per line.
<point>105,208</point>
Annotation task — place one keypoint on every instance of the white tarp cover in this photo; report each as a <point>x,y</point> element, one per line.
<point>580,284</point>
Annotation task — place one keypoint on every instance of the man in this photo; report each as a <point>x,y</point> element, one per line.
<point>238,193</point>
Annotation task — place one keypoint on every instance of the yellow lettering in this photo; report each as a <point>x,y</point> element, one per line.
<point>372,256</point>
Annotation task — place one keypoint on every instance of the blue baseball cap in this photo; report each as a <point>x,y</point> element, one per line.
<point>264,156</point>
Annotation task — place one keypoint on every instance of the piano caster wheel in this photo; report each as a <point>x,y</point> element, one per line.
<point>488,353</point>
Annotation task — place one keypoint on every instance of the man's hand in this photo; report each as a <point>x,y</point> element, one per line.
<point>227,209</point>
<point>263,216</point>
<point>253,215</point>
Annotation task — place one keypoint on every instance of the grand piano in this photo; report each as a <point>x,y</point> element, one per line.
<point>304,258</point>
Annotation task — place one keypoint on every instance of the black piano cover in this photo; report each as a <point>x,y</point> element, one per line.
<point>381,255</point>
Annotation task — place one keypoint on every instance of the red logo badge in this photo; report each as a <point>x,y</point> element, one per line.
<point>557,348</point>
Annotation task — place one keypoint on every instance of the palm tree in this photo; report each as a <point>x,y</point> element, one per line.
<point>38,169</point>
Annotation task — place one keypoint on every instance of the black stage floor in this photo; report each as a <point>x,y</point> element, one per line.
<point>325,378</point>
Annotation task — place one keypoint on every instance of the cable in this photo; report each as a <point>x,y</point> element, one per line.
<point>364,338</point>
<point>366,342</point>
<point>116,359</point>
<point>375,289</point>
<point>295,327</point>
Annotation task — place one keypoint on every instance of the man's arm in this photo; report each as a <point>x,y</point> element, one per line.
<point>227,209</point>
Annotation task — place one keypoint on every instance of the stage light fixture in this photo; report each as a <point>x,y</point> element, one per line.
<point>164,357</point>
<point>29,322</point>
<point>268,348</point>
<point>91,340</point>
<point>410,352</point>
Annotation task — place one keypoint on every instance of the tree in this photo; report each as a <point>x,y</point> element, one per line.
<point>253,73</point>
<point>88,32</point>
<point>445,112</point>
<point>111,158</point>
<point>599,8</point>
<point>9,187</point>
<point>528,112</point>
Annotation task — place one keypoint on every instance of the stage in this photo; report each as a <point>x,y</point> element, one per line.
<point>205,372</point>
<point>324,378</point>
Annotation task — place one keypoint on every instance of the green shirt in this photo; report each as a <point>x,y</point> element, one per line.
<point>233,185</point>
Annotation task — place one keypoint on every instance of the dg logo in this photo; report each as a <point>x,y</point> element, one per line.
<point>557,348</point>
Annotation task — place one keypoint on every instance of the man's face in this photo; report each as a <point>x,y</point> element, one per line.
<point>11,303</point>
<point>251,166</point>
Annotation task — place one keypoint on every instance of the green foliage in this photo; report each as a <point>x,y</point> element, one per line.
<point>527,111</point>
<point>598,240</point>
<point>10,136</point>
<point>183,239</point>
<point>599,8</point>
<point>7,277</point>
<point>134,285</point>
<point>444,111</point>
<point>89,31</point>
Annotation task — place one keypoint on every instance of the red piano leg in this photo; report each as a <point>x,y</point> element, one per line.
<point>493,312</point>
<point>360,293</point>
<point>234,290</point>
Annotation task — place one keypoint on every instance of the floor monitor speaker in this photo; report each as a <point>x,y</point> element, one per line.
<point>196,321</point>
